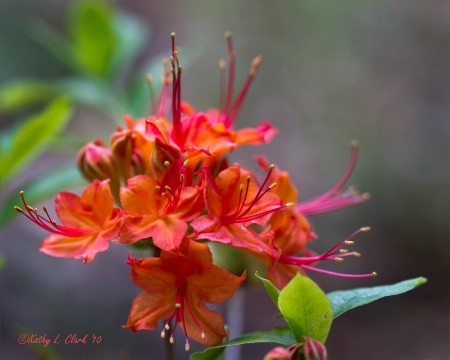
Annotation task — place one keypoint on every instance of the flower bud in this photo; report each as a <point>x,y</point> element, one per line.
<point>95,161</point>
<point>313,350</point>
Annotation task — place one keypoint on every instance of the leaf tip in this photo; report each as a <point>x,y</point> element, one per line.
<point>421,280</point>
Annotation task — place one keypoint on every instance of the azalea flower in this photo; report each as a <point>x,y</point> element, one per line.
<point>234,200</point>
<point>176,289</point>
<point>159,208</point>
<point>88,222</point>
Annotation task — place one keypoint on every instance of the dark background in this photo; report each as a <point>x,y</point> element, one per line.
<point>377,71</point>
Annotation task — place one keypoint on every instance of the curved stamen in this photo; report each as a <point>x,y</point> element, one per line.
<point>240,215</point>
<point>332,200</point>
<point>48,223</point>
<point>335,253</point>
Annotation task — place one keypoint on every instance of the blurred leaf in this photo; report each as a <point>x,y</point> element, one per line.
<point>342,301</point>
<point>54,42</point>
<point>92,93</point>
<point>33,136</point>
<point>272,290</point>
<point>93,39</point>
<point>306,309</point>
<point>131,35</point>
<point>2,261</point>
<point>17,95</point>
<point>283,336</point>
<point>41,188</point>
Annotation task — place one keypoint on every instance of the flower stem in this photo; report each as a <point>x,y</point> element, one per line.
<point>168,349</point>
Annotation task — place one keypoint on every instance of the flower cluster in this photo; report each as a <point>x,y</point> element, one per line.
<point>173,186</point>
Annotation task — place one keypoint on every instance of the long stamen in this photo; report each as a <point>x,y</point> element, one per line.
<point>222,95</point>
<point>176,95</point>
<point>332,200</point>
<point>335,253</point>
<point>231,74</point>
<point>151,90</point>
<point>165,92</point>
<point>48,223</point>
<point>240,215</point>
<point>234,112</point>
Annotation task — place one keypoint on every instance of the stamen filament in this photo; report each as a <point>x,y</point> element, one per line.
<point>307,267</point>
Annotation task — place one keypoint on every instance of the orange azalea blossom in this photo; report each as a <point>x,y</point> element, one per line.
<point>88,222</point>
<point>234,201</point>
<point>160,208</point>
<point>207,136</point>
<point>176,289</point>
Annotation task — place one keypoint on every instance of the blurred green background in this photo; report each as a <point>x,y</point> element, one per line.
<point>332,72</point>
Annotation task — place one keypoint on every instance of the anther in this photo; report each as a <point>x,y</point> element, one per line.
<point>338,259</point>
<point>255,65</point>
<point>186,162</point>
<point>177,305</point>
<point>203,335</point>
<point>167,327</point>
<point>186,347</point>
<point>18,209</point>
<point>272,185</point>
<point>357,254</point>
<point>349,242</point>
<point>374,274</point>
<point>171,339</point>
<point>163,334</point>
<point>343,251</point>
<point>366,228</point>
<point>289,204</point>
<point>158,188</point>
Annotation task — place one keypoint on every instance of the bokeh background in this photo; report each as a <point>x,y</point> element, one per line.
<point>376,71</point>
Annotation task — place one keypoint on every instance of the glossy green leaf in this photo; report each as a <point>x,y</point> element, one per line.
<point>272,290</point>
<point>342,301</point>
<point>17,95</point>
<point>41,188</point>
<point>282,336</point>
<point>93,39</point>
<point>33,136</point>
<point>306,309</point>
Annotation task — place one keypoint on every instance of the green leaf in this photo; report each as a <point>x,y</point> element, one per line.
<point>41,188</point>
<point>2,261</point>
<point>17,95</point>
<point>92,35</point>
<point>53,41</point>
<point>91,92</point>
<point>283,336</point>
<point>306,309</point>
<point>31,138</point>
<point>131,35</point>
<point>272,290</point>
<point>342,301</point>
